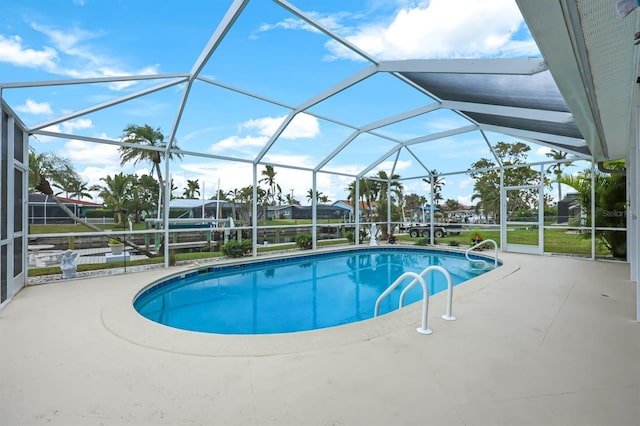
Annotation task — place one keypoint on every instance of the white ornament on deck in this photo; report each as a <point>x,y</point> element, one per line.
<point>372,239</point>
<point>68,264</point>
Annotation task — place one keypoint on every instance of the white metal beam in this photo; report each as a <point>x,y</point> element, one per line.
<point>508,111</point>
<point>520,133</point>
<point>441,135</point>
<point>223,28</point>
<point>527,66</point>
<point>104,105</point>
<point>46,83</point>
<point>343,85</point>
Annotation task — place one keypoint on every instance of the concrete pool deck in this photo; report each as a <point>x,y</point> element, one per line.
<point>541,341</point>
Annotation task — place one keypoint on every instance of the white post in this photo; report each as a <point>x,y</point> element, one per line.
<point>593,210</point>
<point>432,211</point>
<point>254,212</point>
<point>218,202</point>
<point>633,211</point>
<point>166,200</point>
<point>356,211</point>
<point>314,211</point>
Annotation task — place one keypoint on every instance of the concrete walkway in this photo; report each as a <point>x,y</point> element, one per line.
<point>540,341</point>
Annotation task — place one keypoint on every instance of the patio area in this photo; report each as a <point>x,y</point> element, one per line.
<point>542,340</point>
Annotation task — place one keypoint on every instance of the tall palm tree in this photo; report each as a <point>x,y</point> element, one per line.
<point>290,199</point>
<point>47,166</point>
<point>235,195</point>
<point>80,189</point>
<point>364,198</point>
<point>115,192</point>
<point>390,182</point>
<point>438,184</point>
<point>146,137</point>
<point>557,167</point>
<point>320,197</point>
<point>193,189</point>
<point>270,179</point>
<point>67,182</point>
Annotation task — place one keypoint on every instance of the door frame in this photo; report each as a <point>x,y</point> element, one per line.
<point>504,224</point>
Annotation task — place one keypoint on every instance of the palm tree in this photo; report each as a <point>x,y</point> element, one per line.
<point>438,183</point>
<point>557,167</point>
<point>192,189</point>
<point>270,179</point>
<point>320,197</point>
<point>79,190</point>
<point>146,137</point>
<point>390,182</point>
<point>290,199</point>
<point>47,166</point>
<point>66,182</point>
<point>115,192</point>
<point>365,196</point>
<point>235,195</point>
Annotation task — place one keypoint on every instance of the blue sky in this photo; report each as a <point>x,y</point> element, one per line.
<point>268,52</point>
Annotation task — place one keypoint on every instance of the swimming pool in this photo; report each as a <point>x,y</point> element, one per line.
<point>296,293</point>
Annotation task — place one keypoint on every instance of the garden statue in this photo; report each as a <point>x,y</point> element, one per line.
<point>68,264</point>
<point>372,239</point>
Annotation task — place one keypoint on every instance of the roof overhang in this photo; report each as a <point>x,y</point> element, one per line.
<point>589,50</point>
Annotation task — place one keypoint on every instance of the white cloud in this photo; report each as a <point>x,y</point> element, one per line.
<point>78,124</point>
<point>302,126</point>
<point>12,51</point>
<point>70,55</point>
<point>66,127</point>
<point>301,160</point>
<point>36,108</point>
<point>238,143</point>
<point>386,166</point>
<point>82,152</point>
<point>466,183</point>
<point>543,150</point>
<point>93,174</point>
<point>466,200</point>
<point>430,29</point>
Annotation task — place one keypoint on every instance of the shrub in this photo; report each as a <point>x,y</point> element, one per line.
<point>99,213</point>
<point>425,241</point>
<point>304,241</point>
<point>233,248</point>
<point>351,236</point>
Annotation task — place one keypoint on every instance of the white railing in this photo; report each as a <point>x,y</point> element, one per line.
<point>482,264</point>
<point>419,278</point>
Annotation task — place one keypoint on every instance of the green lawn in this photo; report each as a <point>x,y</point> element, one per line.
<point>555,240</point>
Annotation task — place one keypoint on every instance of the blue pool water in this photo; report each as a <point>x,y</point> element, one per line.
<point>295,294</point>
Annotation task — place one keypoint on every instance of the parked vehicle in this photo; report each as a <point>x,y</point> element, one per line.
<point>439,231</point>
<point>425,231</point>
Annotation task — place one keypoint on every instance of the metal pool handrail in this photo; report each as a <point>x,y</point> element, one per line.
<point>419,278</point>
<point>484,263</point>
<point>448,315</point>
<point>425,298</point>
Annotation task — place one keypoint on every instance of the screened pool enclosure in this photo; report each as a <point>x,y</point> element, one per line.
<point>434,125</point>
